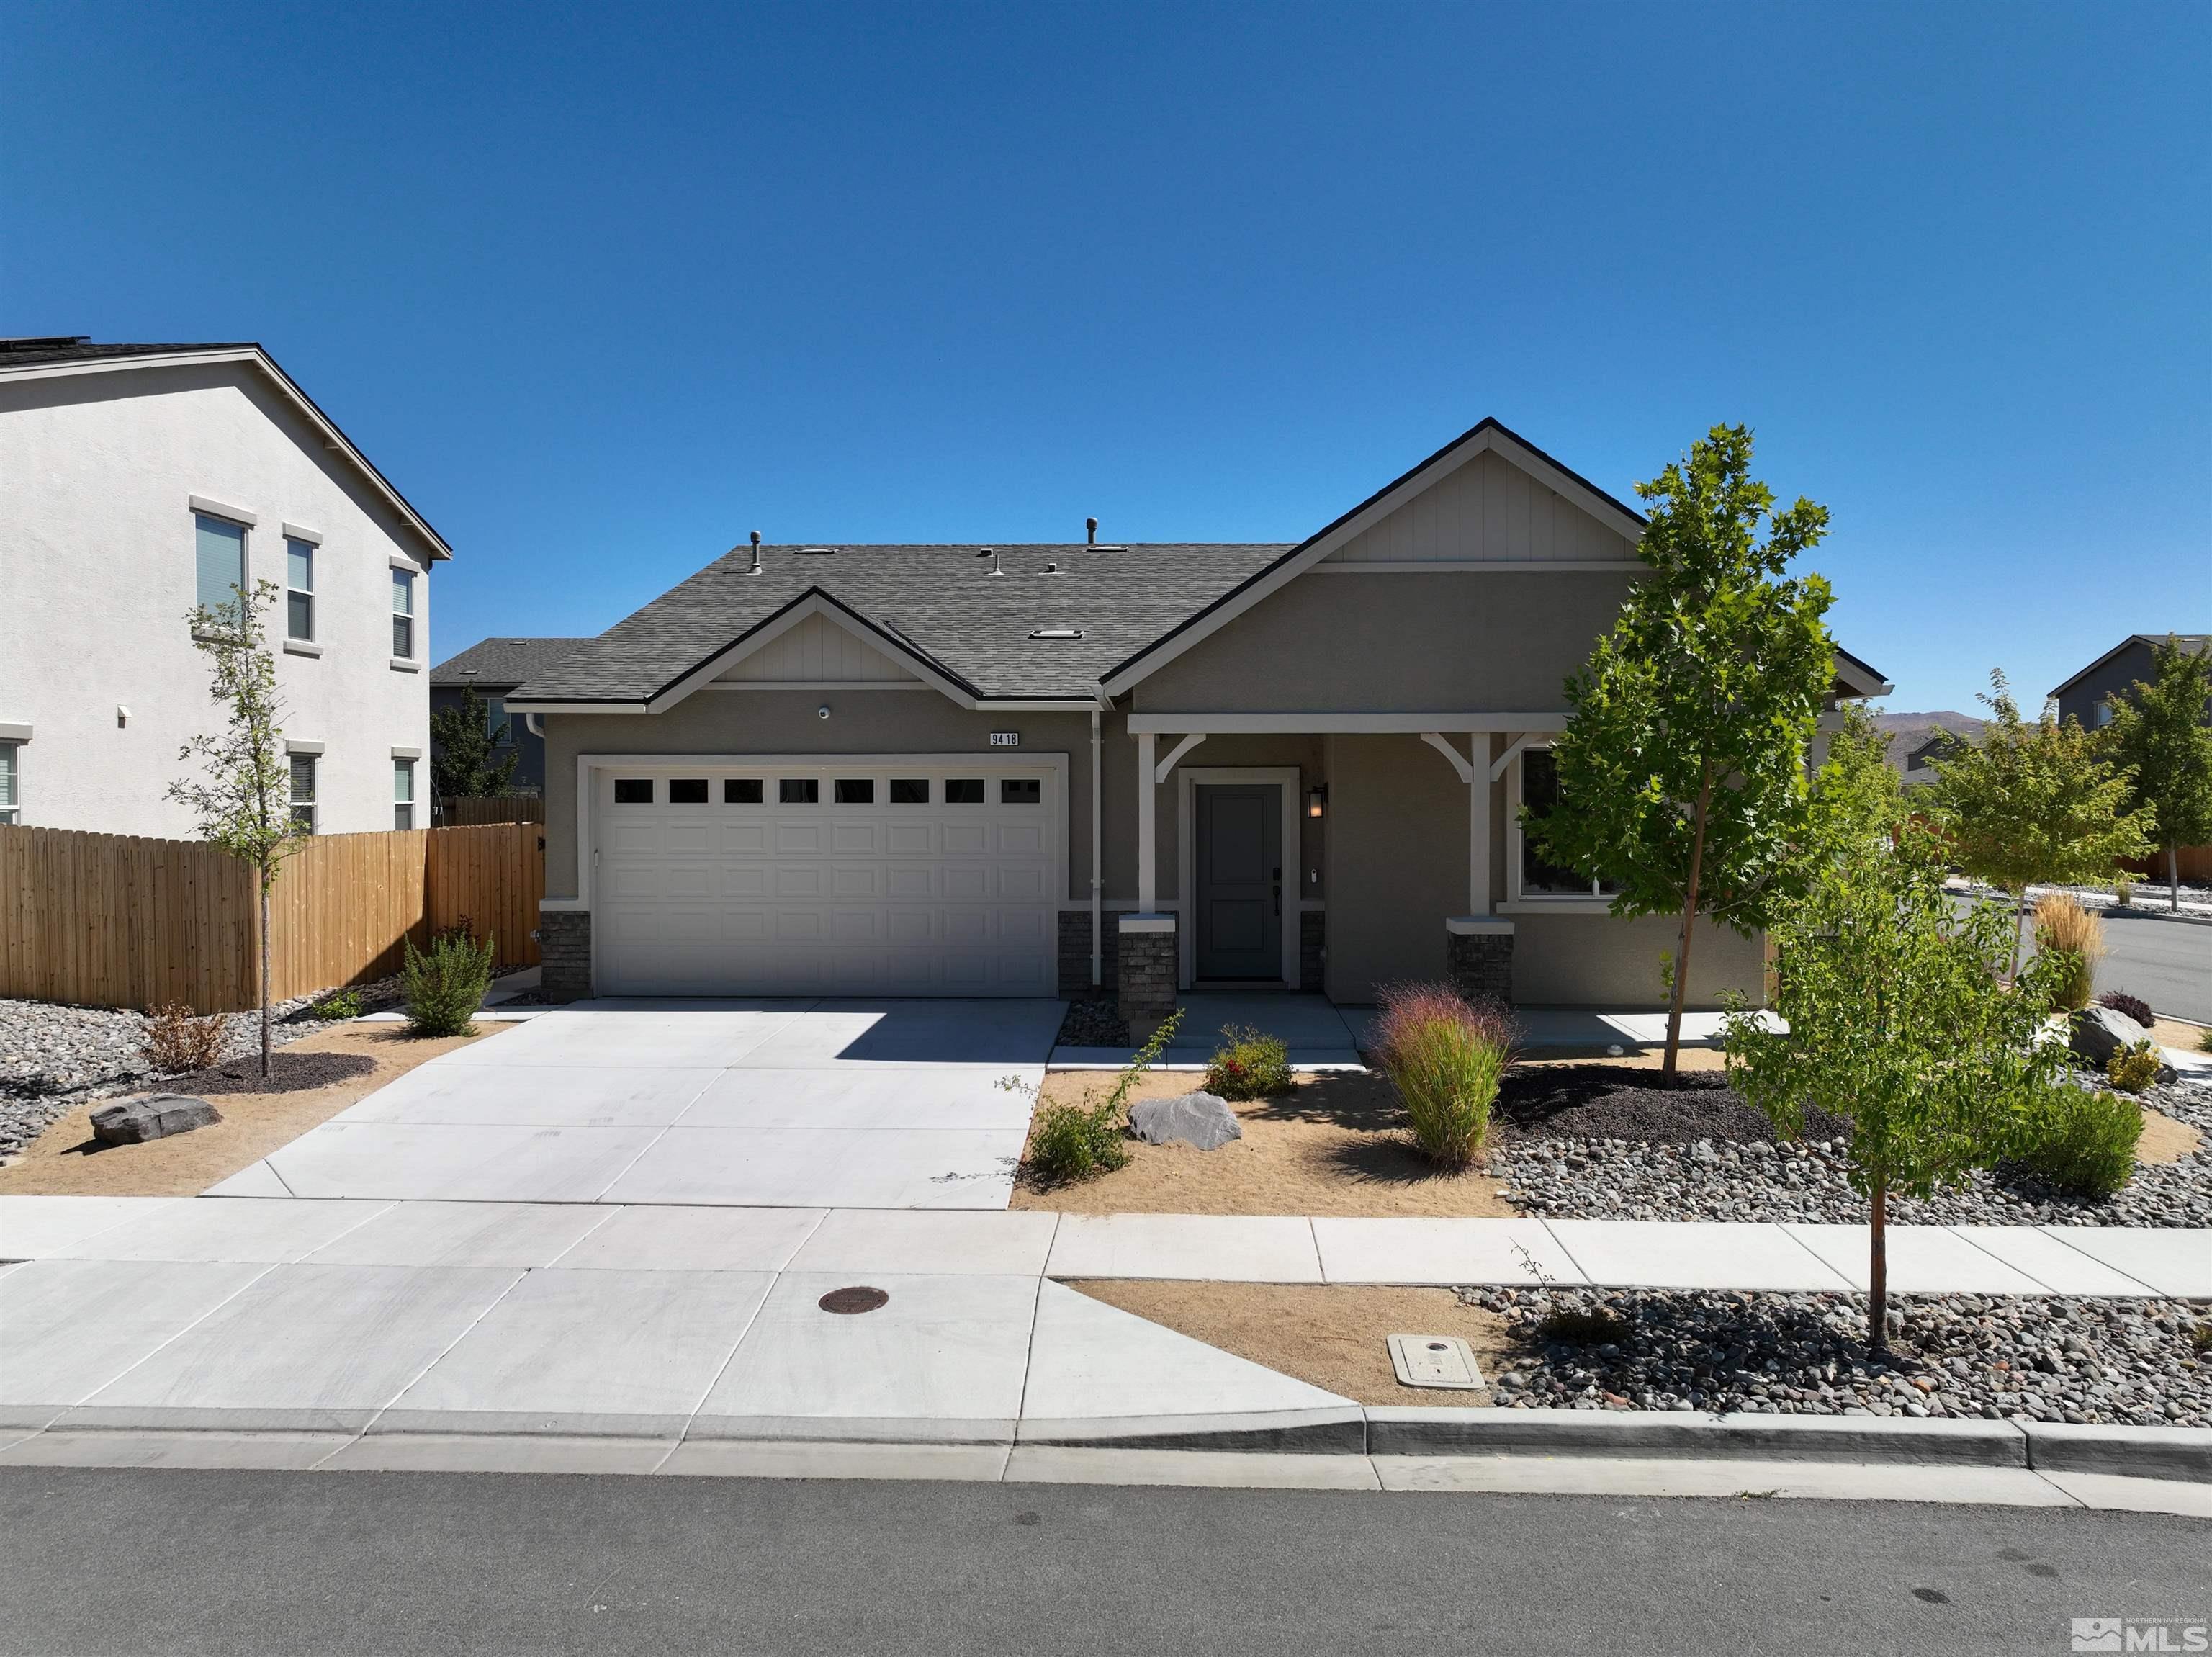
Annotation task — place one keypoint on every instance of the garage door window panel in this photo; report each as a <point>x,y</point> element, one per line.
<point>798,791</point>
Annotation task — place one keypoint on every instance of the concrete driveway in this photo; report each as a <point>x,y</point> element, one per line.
<point>769,1104</point>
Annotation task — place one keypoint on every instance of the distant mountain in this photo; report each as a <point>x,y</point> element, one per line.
<point>1907,729</point>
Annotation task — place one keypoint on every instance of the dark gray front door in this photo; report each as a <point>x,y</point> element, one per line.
<point>1240,880</point>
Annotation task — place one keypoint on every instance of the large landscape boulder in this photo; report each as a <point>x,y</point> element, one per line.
<point>150,1116</point>
<point>2098,1032</point>
<point>1201,1119</point>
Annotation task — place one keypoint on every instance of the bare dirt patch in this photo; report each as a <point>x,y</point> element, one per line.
<point>2165,1140</point>
<point>2173,1032</point>
<point>1335,1144</point>
<point>1329,1335</point>
<point>316,1078</point>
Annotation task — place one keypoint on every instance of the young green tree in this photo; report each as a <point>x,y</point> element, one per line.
<point>1682,768</point>
<point>1899,1019</point>
<point>463,759</point>
<point>2032,805</point>
<point>242,801</point>
<point>2161,732</point>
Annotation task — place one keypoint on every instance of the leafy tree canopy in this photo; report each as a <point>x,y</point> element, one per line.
<point>2161,737</point>
<point>464,761</point>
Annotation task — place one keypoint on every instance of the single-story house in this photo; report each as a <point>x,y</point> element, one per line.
<point>1030,769</point>
<point>492,669</point>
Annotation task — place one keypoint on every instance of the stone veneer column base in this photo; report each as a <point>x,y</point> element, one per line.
<point>1479,958</point>
<point>1075,955</point>
<point>564,951</point>
<point>1145,980</point>
<point>1313,949</point>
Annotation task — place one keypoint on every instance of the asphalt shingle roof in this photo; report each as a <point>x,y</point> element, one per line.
<point>498,661</point>
<point>942,601</point>
<point>63,348</point>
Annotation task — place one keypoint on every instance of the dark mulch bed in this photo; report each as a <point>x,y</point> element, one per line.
<point>293,1073</point>
<point>1597,1101</point>
<point>1094,1021</point>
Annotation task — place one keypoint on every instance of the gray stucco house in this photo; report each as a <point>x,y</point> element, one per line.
<point>2087,696</point>
<point>493,668</point>
<point>1027,770</point>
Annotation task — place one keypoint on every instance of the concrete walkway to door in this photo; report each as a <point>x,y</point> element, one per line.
<point>768,1104</point>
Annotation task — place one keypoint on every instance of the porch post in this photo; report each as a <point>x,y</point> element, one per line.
<point>1147,838</point>
<point>1477,833</point>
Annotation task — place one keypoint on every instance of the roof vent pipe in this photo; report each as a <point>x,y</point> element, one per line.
<point>755,570</point>
<point>1091,531</point>
<point>992,553</point>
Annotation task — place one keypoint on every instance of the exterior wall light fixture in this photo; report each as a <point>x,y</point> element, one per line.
<point>1317,800</point>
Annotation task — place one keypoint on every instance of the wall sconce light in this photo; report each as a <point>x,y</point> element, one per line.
<point>1317,800</point>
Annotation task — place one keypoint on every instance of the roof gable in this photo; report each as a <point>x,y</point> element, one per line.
<point>1490,437</point>
<point>822,649</point>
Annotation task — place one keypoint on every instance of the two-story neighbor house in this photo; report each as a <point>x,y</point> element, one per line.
<point>2087,696</point>
<point>1024,769</point>
<point>492,669</point>
<point>137,481</point>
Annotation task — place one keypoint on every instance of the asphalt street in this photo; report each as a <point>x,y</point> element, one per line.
<point>177,1563</point>
<point>2167,963</point>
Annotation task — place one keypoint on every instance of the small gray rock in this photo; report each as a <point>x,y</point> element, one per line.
<point>1200,1119</point>
<point>150,1116</point>
<point>2100,1031</point>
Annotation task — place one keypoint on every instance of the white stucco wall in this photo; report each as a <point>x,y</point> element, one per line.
<point>97,573</point>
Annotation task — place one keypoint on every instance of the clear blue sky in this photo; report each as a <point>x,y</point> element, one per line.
<point>601,288</point>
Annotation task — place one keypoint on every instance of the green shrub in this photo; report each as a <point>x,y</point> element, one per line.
<point>1248,1065</point>
<point>1073,1143</point>
<point>2134,1068</point>
<point>1578,1326</point>
<point>443,986</point>
<point>2204,1040</point>
<point>341,1005</point>
<point>1445,1057</point>
<point>2081,1142</point>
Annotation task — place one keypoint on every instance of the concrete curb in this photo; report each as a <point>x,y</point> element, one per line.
<point>1419,1432</point>
<point>1323,1431</point>
<point>2172,1453</point>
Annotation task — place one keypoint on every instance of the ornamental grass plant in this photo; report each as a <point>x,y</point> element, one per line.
<point>2063,927</point>
<point>1445,1056</point>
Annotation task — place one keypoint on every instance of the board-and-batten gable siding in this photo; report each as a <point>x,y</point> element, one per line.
<point>1487,511</point>
<point>818,651</point>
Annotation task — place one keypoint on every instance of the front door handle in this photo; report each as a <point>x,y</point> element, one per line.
<point>1279,894</point>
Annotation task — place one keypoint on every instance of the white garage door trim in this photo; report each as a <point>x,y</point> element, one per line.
<point>1022,964</point>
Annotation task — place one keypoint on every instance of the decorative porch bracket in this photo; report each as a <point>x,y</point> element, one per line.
<point>1464,766</point>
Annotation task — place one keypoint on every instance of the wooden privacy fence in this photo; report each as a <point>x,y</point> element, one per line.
<point>2196,866</point>
<point>455,810</point>
<point>113,920</point>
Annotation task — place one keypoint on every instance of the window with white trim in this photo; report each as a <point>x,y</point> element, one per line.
<point>1538,877</point>
<point>219,559</point>
<point>11,800</point>
<point>299,590</point>
<point>303,792</point>
<point>403,794</point>
<point>402,614</point>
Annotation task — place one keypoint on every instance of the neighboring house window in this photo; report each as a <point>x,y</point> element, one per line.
<point>403,613</point>
<point>2103,717</point>
<point>1540,793</point>
<point>303,792</point>
<point>496,723</point>
<point>403,794</point>
<point>299,590</point>
<point>11,801</point>
<point>219,550</point>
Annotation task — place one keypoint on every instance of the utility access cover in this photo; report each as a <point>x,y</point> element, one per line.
<point>1435,1361</point>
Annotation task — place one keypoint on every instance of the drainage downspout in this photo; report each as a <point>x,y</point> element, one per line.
<point>1097,885</point>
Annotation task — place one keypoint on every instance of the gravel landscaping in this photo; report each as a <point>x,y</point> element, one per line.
<point>1588,1143</point>
<point>53,1056</point>
<point>2041,1357</point>
<point>1094,1021</point>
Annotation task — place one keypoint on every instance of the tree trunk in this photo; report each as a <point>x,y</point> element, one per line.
<point>2019,902</point>
<point>265,982</point>
<point>1689,922</point>
<point>1878,1271</point>
<point>2173,879</point>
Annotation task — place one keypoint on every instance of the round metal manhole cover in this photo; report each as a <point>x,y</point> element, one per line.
<point>848,1301</point>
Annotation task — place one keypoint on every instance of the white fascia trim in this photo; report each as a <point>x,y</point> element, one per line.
<point>1489,439</point>
<point>332,437</point>
<point>587,851</point>
<point>296,533</point>
<point>814,685</point>
<point>1318,724</point>
<point>214,509</point>
<point>1042,705</point>
<point>291,746</point>
<point>576,708</point>
<point>1461,566</point>
<point>1860,683</point>
<point>814,605</point>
